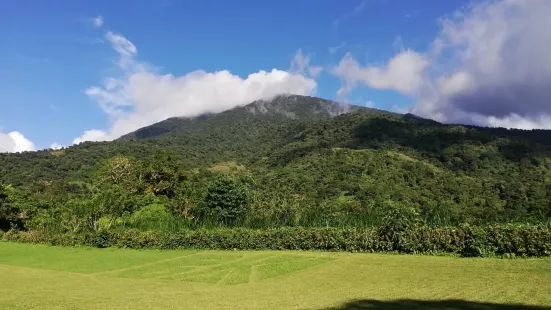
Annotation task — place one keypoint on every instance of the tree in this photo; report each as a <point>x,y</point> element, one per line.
<point>96,209</point>
<point>226,199</point>
<point>119,170</point>
<point>7,212</point>
<point>12,215</point>
<point>161,174</point>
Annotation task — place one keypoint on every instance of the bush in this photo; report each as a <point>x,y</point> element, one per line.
<point>155,217</point>
<point>465,241</point>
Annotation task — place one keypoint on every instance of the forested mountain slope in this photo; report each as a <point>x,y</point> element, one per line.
<point>259,113</point>
<point>315,162</point>
<point>240,133</point>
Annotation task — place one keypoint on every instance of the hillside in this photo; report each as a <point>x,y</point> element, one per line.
<point>278,109</point>
<point>316,162</point>
<point>240,133</point>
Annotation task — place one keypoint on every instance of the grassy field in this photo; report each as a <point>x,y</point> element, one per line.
<point>44,277</point>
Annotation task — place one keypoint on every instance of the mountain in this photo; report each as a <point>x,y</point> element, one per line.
<point>275,110</point>
<point>419,118</point>
<point>239,133</point>
<point>308,153</point>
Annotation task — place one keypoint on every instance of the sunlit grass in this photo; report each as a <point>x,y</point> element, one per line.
<point>45,277</point>
<point>223,268</point>
<point>83,260</point>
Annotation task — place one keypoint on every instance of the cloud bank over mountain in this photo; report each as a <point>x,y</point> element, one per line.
<point>142,96</point>
<point>489,65</point>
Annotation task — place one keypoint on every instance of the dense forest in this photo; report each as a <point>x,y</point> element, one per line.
<point>289,162</point>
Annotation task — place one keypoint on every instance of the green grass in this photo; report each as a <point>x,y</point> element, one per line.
<point>45,277</point>
<point>81,260</point>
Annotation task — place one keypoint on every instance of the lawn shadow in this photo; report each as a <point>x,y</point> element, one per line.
<point>430,305</point>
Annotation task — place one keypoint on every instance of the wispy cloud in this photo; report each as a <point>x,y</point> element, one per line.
<point>334,49</point>
<point>398,43</point>
<point>127,50</point>
<point>355,11</point>
<point>301,65</point>
<point>97,21</point>
<point>90,41</point>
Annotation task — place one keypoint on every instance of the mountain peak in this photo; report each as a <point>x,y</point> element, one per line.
<point>298,107</point>
<point>276,109</point>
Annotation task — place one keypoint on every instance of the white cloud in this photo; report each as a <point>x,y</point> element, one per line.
<point>370,104</point>
<point>56,146</point>
<point>98,21</point>
<point>15,142</point>
<point>492,66</point>
<point>399,109</point>
<point>142,96</point>
<point>403,73</point>
<point>93,135</point>
<point>489,65</point>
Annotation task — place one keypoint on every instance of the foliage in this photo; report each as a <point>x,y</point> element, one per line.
<point>161,174</point>
<point>226,199</point>
<point>290,162</point>
<point>121,171</point>
<point>153,217</point>
<point>13,210</point>
<point>468,241</point>
<point>8,214</point>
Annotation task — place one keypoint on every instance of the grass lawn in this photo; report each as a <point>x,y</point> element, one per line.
<point>45,277</point>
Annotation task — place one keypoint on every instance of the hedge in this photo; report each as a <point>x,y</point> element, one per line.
<point>465,241</point>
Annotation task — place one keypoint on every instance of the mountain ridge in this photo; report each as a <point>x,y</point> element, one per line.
<point>285,106</point>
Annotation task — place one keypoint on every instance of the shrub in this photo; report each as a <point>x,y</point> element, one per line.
<point>465,241</point>
<point>154,216</point>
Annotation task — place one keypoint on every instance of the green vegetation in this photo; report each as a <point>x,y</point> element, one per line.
<point>296,162</point>
<point>45,277</point>
<point>465,241</point>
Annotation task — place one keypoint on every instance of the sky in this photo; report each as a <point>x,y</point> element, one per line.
<point>74,71</point>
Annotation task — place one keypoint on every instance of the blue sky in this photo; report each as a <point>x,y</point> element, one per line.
<point>56,56</point>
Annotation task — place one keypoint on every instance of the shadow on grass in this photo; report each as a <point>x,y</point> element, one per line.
<point>430,305</point>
